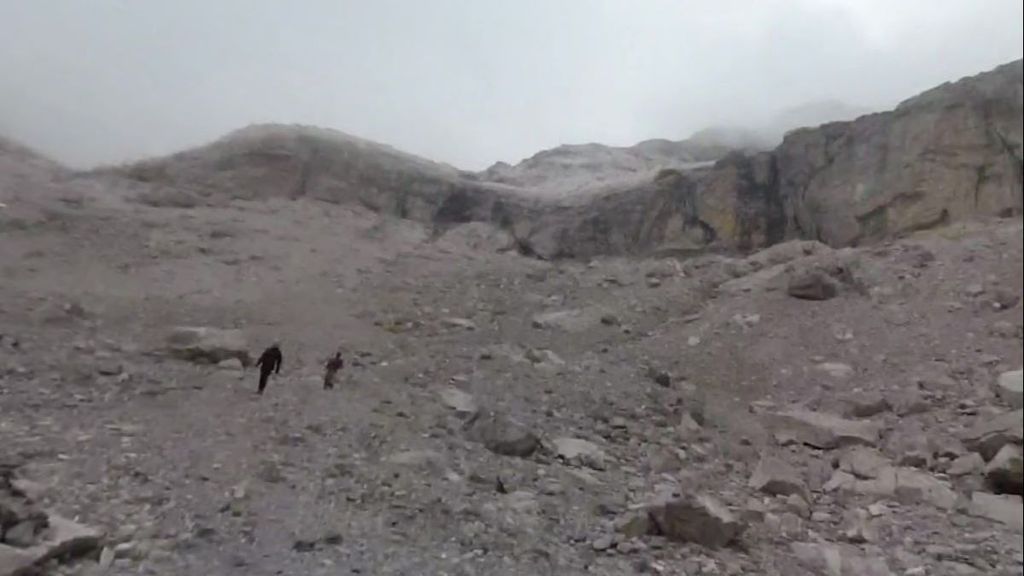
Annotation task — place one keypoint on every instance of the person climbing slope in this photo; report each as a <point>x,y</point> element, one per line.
<point>269,363</point>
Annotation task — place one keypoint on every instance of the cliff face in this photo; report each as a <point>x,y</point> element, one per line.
<point>949,154</point>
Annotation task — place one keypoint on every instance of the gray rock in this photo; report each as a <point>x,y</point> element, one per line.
<point>1010,388</point>
<point>501,435</point>
<point>776,477</point>
<point>1005,509</point>
<point>866,405</point>
<point>812,285</point>
<point>580,452</point>
<point>417,459</point>
<point>1005,473</point>
<point>991,433</point>
<point>459,401</point>
<point>863,463</point>
<point>567,320</point>
<point>835,560</point>
<point>22,534</point>
<point>459,323</point>
<point>821,430</point>
<point>634,524</point>
<point>917,487</point>
<point>966,465</point>
<point>698,519</point>
<point>207,345</point>
<point>543,357</point>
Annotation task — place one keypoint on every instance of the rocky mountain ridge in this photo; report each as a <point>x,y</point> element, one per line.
<point>949,154</point>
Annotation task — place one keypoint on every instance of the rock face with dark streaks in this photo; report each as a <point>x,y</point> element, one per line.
<point>949,154</point>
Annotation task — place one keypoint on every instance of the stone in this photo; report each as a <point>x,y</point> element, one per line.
<point>543,356</point>
<point>836,560</point>
<point>659,377</point>
<point>501,435</point>
<point>231,364</point>
<point>859,529</point>
<point>991,433</point>
<point>823,431</point>
<point>634,524</point>
<point>1005,509</point>
<point>580,452</point>
<point>1010,389</point>
<point>916,487</point>
<point>836,370</point>
<point>459,401</point>
<point>603,543</point>
<point>966,465</point>
<point>698,519</point>
<point>566,320</point>
<point>863,463</point>
<point>776,477</point>
<point>109,367</point>
<point>812,285</point>
<point>459,323</point>
<point>22,534</point>
<point>866,405</point>
<point>417,459</point>
<point>207,345</point>
<point>15,561</point>
<point>1004,474</point>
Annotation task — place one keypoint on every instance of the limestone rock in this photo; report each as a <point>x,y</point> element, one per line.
<point>207,345</point>
<point>777,478</point>
<point>580,452</point>
<point>990,434</point>
<point>862,462</point>
<point>699,519</point>
<point>1005,474</point>
<point>1010,388</point>
<point>460,323</point>
<point>822,430</point>
<point>915,487</point>
<point>501,435</point>
<point>967,464</point>
<point>459,401</point>
<point>1004,509</point>
<point>812,285</point>
<point>835,560</point>
<point>866,405</point>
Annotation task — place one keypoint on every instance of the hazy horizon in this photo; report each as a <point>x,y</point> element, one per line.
<point>463,82</point>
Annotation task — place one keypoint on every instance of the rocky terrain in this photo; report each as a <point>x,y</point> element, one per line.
<point>797,410</point>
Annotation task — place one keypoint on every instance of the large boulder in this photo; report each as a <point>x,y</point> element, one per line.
<point>1004,509</point>
<point>208,345</point>
<point>776,477</point>
<point>1004,473</point>
<point>501,435</point>
<point>580,452</point>
<point>699,519</point>
<point>988,436</point>
<point>1010,388</point>
<point>822,430</point>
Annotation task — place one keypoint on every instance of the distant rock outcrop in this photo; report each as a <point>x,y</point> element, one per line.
<point>949,154</point>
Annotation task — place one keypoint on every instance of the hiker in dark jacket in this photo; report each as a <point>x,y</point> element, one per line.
<point>331,368</point>
<point>269,362</point>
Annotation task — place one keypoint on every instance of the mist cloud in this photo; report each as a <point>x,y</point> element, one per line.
<point>467,82</point>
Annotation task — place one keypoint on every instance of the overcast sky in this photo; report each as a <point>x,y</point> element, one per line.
<point>467,82</point>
